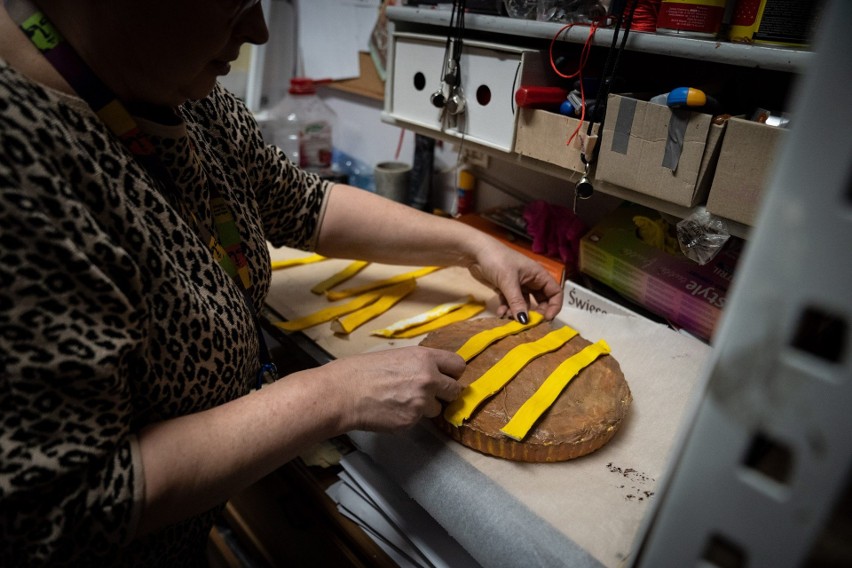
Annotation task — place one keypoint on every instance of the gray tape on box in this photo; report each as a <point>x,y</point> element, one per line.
<point>623,124</point>
<point>674,142</point>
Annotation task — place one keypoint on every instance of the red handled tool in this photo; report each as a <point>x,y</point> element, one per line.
<point>538,96</point>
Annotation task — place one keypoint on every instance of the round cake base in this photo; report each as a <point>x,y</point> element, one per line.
<point>584,417</point>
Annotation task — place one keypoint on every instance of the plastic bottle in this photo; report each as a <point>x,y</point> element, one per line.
<point>465,193</point>
<point>303,126</point>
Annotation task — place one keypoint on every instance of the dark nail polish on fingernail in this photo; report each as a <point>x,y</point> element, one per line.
<point>522,317</point>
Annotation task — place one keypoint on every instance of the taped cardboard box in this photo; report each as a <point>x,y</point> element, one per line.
<point>665,282</point>
<point>544,135</point>
<point>667,153</point>
<point>745,163</point>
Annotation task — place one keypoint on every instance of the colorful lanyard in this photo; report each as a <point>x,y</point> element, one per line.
<point>227,248</point>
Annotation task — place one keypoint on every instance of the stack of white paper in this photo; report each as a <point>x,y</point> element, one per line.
<point>401,527</point>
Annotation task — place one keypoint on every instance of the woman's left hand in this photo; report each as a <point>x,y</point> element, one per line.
<point>363,225</point>
<point>516,278</point>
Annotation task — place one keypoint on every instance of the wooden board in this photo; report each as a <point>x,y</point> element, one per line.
<point>290,295</point>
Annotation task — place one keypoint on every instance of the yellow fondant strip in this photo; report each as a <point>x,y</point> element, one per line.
<point>279,264</point>
<point>520,424</point>
<point>502,372</point>
<point>389,298</point>
<point>421,318</point>
<point>476,344</point>
<point>381,283</point>
<point>461,313</point>
<point>342,276</point>
<point>328,314</point>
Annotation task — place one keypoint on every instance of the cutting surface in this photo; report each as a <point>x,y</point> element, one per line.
<point>290,295</point>
<point>589,509</point>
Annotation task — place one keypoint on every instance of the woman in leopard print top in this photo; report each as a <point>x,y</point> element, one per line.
<point>127,352</point>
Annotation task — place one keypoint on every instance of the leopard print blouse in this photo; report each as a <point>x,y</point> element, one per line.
<point>113,314</point>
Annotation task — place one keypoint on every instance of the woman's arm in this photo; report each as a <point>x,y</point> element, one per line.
<point>195,462</point>
<point>359,224</point>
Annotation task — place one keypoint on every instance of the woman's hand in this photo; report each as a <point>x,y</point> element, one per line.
<point>394,389</point>
<point>515,278</point>
<point>357,225</point>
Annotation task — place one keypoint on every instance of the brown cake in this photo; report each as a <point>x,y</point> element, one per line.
<point>585,416</point>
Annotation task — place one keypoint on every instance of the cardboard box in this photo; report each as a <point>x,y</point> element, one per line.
<point>544,136</point>
<point>640,150</point>
<point>745,163</point>
<point>580,298</point>
<point>672,286</point>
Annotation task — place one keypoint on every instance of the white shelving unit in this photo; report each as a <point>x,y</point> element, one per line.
<point>516,32</point>
<point>773,58</point>
<point>765,469</point>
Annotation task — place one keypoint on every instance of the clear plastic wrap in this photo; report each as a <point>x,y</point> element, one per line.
<point>702,235</point>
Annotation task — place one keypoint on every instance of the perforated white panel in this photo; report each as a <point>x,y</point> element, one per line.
<point>770,450</point>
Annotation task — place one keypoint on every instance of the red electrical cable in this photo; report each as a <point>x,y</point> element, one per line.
<point>399,144</point>
<point>584,55</point>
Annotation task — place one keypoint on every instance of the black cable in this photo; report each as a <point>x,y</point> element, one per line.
<point>459,8</point>
<point>514,87</point>
<point>610,70</point>
<point>455,35</point>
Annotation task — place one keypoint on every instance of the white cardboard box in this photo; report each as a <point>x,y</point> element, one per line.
<point>490,74</point>
<point>578,297</point>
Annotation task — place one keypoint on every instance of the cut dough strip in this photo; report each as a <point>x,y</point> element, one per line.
<point>466,311</point>
<point>396,329</point>
<point>477,344</point>
<point>502,372</point>
<point>354,268</point>
<point>328,314</point>
<point>380,283</point>
<point>389,298</point>
<point>529,412</point>
<point>290,262</point>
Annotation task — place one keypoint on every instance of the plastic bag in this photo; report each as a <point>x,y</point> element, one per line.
<point>702,235</point>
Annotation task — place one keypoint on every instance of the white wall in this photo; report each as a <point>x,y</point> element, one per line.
<point>360,133</point>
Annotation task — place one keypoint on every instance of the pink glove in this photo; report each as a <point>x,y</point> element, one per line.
<point>556,231</point>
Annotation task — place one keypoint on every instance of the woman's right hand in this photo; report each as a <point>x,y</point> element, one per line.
<point>393,389</point>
